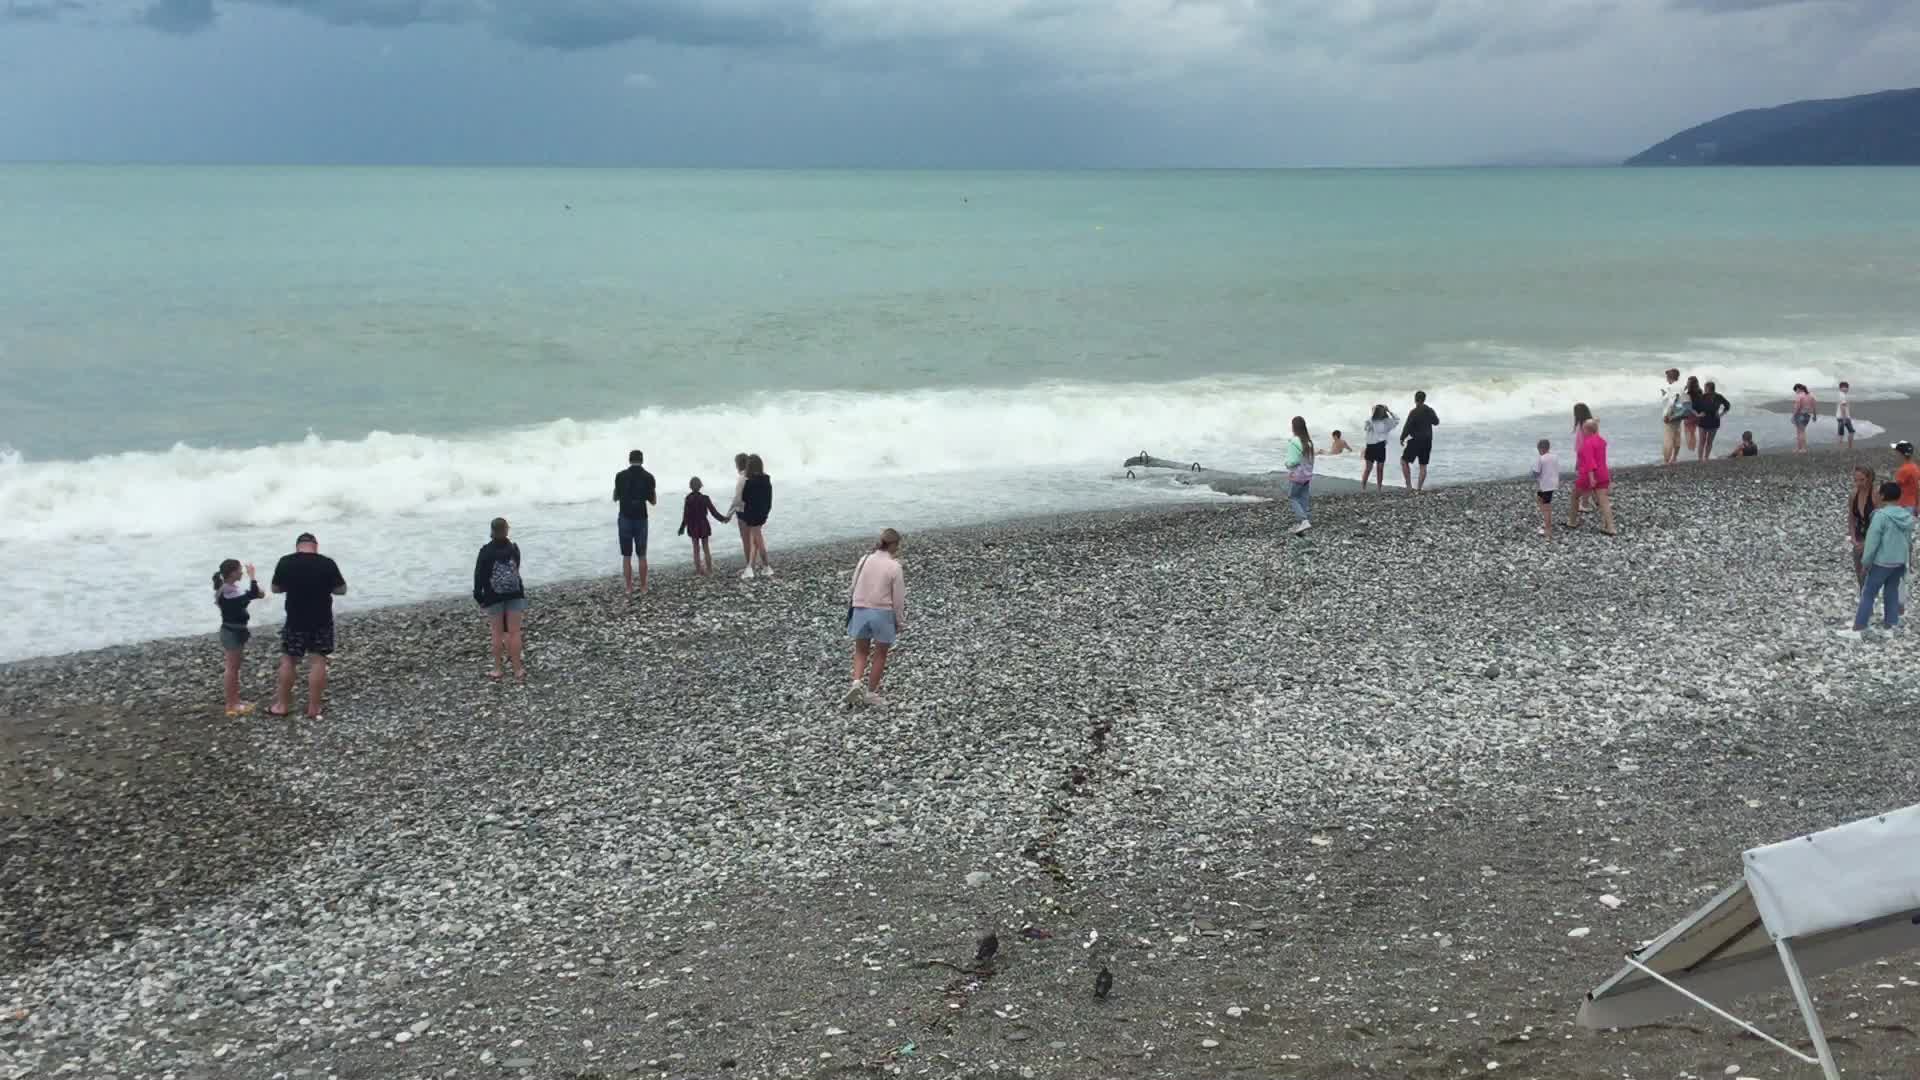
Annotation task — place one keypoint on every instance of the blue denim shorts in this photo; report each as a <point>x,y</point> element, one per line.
<point>633,534</point>
<point>501,607</point>
<point>873,624</point>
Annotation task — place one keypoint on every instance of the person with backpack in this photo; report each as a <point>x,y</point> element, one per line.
<point>500,592</point>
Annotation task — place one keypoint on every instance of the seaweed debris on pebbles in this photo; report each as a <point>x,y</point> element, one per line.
<point>1327,807</point>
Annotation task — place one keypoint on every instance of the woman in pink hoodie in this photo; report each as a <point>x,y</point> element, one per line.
<point>876,613</point>
<point>1591,477</point>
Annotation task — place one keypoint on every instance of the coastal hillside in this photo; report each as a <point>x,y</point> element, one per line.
<point>1872,129</point>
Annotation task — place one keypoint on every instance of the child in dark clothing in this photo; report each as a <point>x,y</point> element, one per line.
<point>232,601</point>
<point>693,524</point>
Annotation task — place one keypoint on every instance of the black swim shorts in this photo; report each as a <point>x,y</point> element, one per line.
<point>1419,450</point>
<point>317,640</point>
<point>1376,451</point>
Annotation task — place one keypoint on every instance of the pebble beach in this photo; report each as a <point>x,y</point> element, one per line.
<point>1382,802</point>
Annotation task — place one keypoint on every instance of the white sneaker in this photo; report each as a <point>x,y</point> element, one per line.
<point>1849,634</point>
<point>1300,529</point>
<point>856,696</point>
<point>766,572</point>
<point>747,574</point>
<point>873,699</point>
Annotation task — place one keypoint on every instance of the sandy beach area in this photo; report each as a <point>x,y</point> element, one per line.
<point>1325,808</point>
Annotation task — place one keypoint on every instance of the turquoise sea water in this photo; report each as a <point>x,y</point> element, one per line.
<point>196,362</point>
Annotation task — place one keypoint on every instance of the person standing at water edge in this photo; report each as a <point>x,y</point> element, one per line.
<point>1889,542</point>
<point>1379,428</point>
<point>693,524</point>
<point>1710,408</point>
<point>1416,441</point>
<point>1671,406</point>
<point>1692,421</point>
<point>310,581</point>
<point>1299,463</point>
<point>1546,480</point>
<point>1805,412</point>
<point>756,504</point>
<point>232,601</point>
<point>1581,414</point>
<point>738,504</point>
<point>633,489</point>
<point>1590,474</point>
<point>876,614</point>
<point>500,592</point>
<point>1843,417</point>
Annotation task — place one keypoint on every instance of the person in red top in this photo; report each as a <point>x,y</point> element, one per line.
<point>693,524</point>
<point>1591,476</point>
<point>1907,476</point>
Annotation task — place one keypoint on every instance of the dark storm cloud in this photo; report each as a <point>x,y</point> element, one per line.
<point>178,16</point>
<point>587,24</point>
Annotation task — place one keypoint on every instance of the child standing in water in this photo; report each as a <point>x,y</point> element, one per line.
<point>232,601</point>
<point>1546,480</point>
<point>693,524</point>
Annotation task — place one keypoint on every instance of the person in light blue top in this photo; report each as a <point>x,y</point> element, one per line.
<point>1299,463</point>
<point>1884,554</point>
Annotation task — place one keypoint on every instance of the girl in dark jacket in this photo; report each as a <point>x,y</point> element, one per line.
<point>498,590</point>
<point>757,500</point>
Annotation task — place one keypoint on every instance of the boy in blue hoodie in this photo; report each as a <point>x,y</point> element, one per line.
<point>1884,554</point>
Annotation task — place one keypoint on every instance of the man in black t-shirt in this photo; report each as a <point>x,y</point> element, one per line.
<point>1416,440</point>
<point>634,490</point>
<point>309,581</point>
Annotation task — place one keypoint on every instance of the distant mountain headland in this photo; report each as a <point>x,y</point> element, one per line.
<point>1872,129</point>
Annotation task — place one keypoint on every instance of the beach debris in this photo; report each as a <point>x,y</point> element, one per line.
<point>977,878</point>
<point>1611,902</point>
<point>988,947</point>
<point>1579,931</point>
<point>1103,983</point>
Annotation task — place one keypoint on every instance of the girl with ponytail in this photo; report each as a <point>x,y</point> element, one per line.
<point>232,601</point>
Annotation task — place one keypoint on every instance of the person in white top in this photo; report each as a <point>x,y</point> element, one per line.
<point>1379,428</point>
<point>1546,481</point>
<point>876,614</point>
<point>740,503</point>
<point>1843,415</point>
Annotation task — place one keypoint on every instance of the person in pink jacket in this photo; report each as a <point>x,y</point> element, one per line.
<point>1591,477</point>
<point>876,614</point>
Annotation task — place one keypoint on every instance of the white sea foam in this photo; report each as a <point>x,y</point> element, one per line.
<point>833,437</point>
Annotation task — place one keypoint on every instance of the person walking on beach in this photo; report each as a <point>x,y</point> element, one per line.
<point>1843,416</point>
<point>693,524</point>
<point>1805,412</point>
<point>1672,406</point>
<point>500,592</point>
<point>309,581</point>
<point>756,504</point>
<point>232,601</point>
<point>1590,475</point>
<point>738,504</point>
<point>634,490</point>
<point>1888,546</point>
<point>1416,441</point>
<point>1546,480</point>
<point>1860,508</point>
<point>1379,428</point>
<point>876,615</point>
<point>1708,411</point>
<point>1907,475</point>
<point>1299,465</point>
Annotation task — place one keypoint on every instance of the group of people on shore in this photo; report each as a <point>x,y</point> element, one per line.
<point>1880,520</point>
<point>310,581</point>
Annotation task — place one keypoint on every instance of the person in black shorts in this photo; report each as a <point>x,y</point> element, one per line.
<point>1416,440</point>
<point>310,581</point>
<point>633,489</point>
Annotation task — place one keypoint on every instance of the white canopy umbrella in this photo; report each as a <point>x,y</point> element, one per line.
<point>1805,907</point>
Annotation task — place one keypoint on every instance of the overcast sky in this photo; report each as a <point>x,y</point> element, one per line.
<point>988,83</point>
